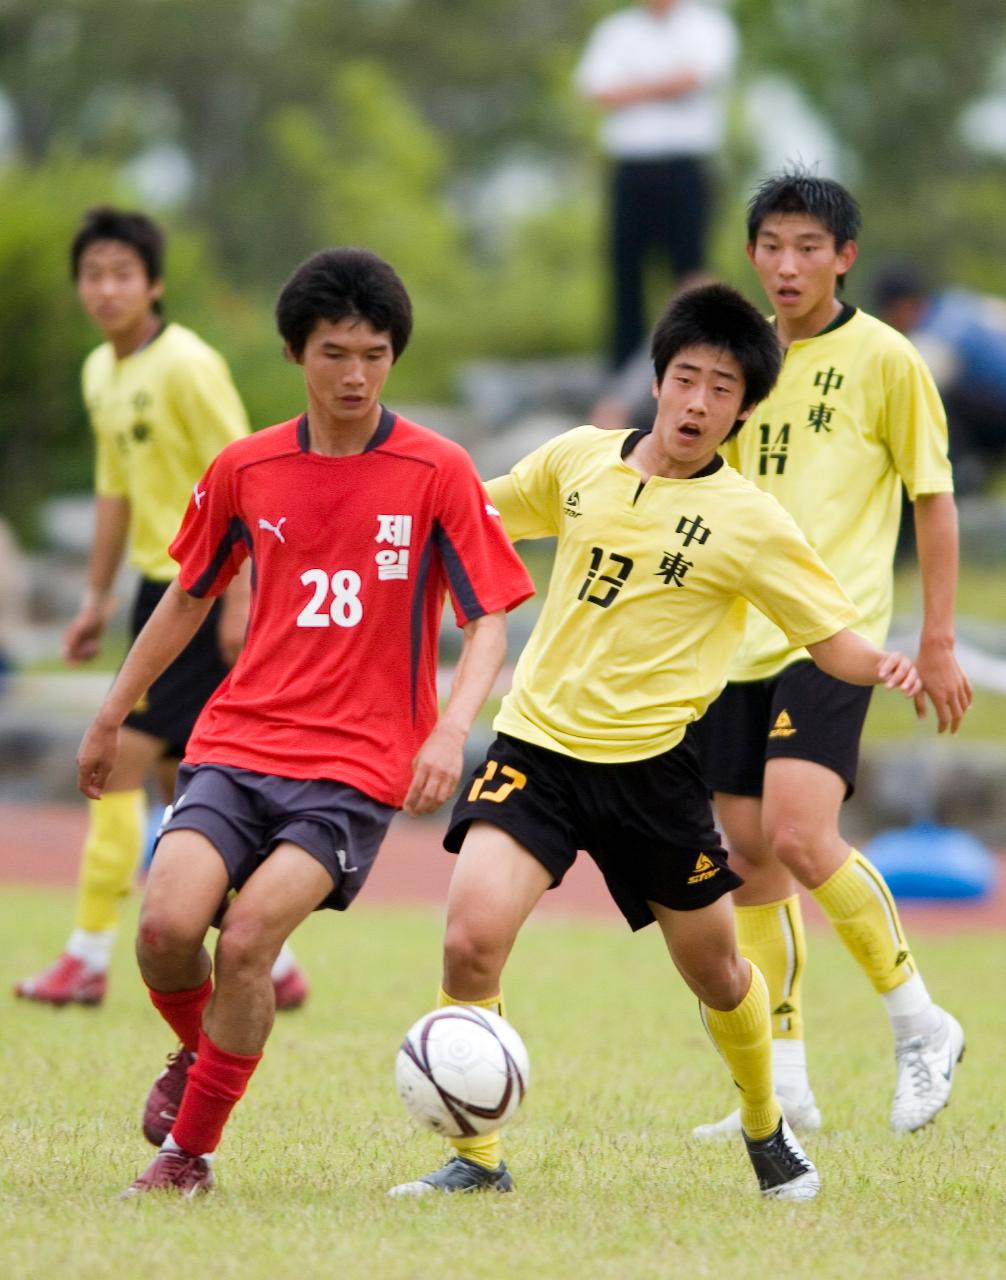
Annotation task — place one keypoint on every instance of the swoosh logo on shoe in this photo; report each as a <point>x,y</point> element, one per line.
<point>950,1067</point>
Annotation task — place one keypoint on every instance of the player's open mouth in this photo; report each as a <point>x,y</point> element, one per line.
<point>686,429</point>
<point>788,295</point>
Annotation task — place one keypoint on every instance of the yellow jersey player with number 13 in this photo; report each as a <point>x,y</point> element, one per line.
<point>661,547</point>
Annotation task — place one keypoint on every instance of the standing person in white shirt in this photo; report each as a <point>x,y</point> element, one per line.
<point>659,71</point>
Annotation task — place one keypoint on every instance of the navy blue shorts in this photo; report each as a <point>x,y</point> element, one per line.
<point>245,815</point>
<point>800,714</point>
<point>648,824</point>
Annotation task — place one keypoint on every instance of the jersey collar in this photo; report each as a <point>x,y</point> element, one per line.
<point>634,437</point>
<point>384,428</point>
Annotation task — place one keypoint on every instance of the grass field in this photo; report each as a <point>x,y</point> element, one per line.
<point>608,1182</point>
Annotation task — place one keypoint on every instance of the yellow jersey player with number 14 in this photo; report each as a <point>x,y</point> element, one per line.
<point>854,417</point>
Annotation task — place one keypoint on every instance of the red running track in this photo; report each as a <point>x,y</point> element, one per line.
<point>40,845</point>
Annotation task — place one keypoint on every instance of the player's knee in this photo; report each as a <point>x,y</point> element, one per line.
<point>471,950</point>
<point>245,948</point>
<point>796,847</point>
<point>165,938</point>
<point>720,982</point>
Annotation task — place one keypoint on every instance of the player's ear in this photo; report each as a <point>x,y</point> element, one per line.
<point>846,256</point>
<point>655,389</point>
<point>288,354</point>
<point>155,290</point>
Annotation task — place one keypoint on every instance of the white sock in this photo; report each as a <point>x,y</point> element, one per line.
<point>911,1010</point>
<point>284,962</point>
<point>169,1144</point>
<point>93,947</point>
<point>789,1069</point>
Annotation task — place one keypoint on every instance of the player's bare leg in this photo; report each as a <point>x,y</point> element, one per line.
<point>735,1010</point>
<point>234,1018</point>
<point>494,887</point>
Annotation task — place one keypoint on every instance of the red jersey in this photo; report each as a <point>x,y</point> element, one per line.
<point>351,560</point>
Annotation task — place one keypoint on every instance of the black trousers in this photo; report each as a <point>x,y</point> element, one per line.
<point>660,204</point>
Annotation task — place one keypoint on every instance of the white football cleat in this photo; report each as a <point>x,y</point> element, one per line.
<point>925,1067</point>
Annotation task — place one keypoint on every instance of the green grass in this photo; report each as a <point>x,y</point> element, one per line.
<point>608,1182</point>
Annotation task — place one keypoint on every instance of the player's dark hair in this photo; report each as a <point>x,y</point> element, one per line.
<point>340,284</point>
<point>141,233</point>
<point>714,315</point>
<point>797,190</point>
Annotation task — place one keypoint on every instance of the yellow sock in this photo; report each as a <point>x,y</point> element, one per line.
<point>744,1038</point>
<point>485,1149</point>
<point>859,904</point>
<point>111,851</point>
<point>772,938</point>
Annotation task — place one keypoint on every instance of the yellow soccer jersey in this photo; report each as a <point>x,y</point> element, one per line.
<point>647,599</point>
<point>854,414</point>
<point>159,416</point>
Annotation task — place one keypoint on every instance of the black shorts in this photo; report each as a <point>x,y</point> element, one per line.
<point>171,705</point>
<point>647,824</point>
<point>800,714</point>
<point>245,815</point>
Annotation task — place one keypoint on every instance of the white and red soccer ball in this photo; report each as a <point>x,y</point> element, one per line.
<point>461,1071</point>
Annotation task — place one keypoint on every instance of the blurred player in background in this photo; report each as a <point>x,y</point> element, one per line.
<point>855,415</point>
<point>162,405</point>
<point>962,337</point>
<point>357,523</point>
<point>659,546</point>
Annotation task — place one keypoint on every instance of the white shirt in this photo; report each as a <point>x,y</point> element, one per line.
<point>636,45</point>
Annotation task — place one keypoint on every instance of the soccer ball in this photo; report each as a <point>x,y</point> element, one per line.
<point>461,1070</point>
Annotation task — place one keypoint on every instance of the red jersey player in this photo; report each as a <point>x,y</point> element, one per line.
<point>357,523</point>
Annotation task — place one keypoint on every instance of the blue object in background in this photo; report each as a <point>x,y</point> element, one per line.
<point>155,817</point>
<point>929,862</point>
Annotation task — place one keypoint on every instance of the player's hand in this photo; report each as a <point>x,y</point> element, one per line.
<point>435,770</point>
<point>944,684</point>
<point>898,673</point>
<point>82,638</point>
<point>98,750</point>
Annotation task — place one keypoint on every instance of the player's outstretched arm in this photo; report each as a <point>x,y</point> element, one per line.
<point>169,629</point>
<point>439,761</point>
<point>943,682</point>
<point>848,656</point>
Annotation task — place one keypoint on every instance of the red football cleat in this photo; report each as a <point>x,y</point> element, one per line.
<point>175,1171</point>
<point>165,1096</point>
<point>68,981</point>
<point>291,990</point>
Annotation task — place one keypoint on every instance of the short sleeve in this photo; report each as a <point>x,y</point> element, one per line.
<point>789,582</point>
<point>205,399</point>
<point>484,574</point>
<point>213,540</point>
<point>109,473</point>
<point>916,430</point>
<point>527,497</point>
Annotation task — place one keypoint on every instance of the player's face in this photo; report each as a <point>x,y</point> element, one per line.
<point>346,363</point>
<point>798,264</point>
<point>113,288</point>
<point>698,401</point>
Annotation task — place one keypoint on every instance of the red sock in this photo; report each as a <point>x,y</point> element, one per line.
<point>217,1079</point>
<point>183,1011</point>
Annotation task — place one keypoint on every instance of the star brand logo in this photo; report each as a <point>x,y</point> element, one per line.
<point>274,528</point>
<point>571,507</point>
<point>198,494</point>
<point>705,869</point>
